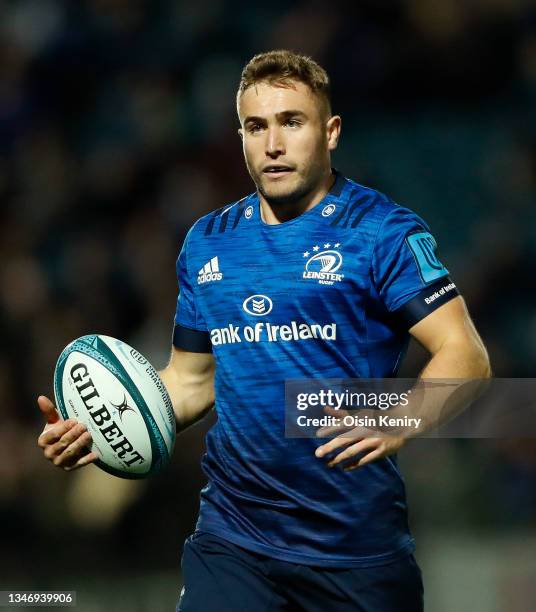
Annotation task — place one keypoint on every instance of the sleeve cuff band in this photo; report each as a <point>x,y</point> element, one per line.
<point>191,340</point>
<point>425,302</point>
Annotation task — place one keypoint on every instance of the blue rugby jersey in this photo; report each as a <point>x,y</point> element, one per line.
<point>328,294</point>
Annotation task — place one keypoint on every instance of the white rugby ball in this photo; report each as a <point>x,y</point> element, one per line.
<point>111,388</point>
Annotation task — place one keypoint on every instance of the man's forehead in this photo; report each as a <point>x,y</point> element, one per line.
<point>268,98</point>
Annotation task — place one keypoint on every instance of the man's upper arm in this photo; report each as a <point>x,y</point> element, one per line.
<point>450,323</point>
<point>408,276</point>
<point>415,287</point>
<point>189,375</point>
<point>189,379</point>
<point>190,331</point>
<point>191,366</point>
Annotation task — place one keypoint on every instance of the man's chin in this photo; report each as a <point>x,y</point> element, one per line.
<point>280,194</point>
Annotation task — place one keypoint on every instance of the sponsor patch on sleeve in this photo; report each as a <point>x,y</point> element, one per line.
<point>424,249</point>
<point>426,301</point>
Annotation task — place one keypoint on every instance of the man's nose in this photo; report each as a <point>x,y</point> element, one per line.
<point>274,143</point>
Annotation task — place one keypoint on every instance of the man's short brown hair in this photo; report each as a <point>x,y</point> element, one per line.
<point>284,66</point>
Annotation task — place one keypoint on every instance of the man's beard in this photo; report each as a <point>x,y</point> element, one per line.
<point>285,199</point>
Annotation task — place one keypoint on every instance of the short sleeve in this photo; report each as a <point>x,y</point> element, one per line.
<point>409,277</point>
<point>190,331</point>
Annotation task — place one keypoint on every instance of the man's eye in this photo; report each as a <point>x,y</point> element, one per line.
<point>254,128</point>
<point>293,123</point>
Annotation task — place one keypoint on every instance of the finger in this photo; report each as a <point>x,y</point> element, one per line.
<point>64,448</point>
<point>91,457</point>
<point>74,451</point>
<point>369,458</point>
<point>353,450</point>
<point>342,440</point>
<point>52,433</point>
<point>338,425</point>
<point>349,429</point>
<point>48,409</point>
<point>330,430</point>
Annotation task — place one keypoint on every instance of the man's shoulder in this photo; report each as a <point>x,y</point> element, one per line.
<point>367,208</point>
<point>382,206</point>
<point>370,195</point>
<point>219,220</point>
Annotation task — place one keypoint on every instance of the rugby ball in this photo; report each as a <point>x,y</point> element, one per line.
<point>111,388</point>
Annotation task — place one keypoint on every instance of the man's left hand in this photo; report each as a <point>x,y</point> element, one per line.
<point>359,448</point>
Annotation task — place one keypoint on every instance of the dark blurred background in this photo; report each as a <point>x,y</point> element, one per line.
<point>118,130</point>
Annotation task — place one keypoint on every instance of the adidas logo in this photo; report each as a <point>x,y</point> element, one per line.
<point>209,272</point>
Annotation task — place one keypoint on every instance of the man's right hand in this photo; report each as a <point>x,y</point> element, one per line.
<point>64,443</point>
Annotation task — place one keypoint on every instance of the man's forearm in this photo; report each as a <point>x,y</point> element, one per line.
<point>458,360</point>
<point>453,378</point>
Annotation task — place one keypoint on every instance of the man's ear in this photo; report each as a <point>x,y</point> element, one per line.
<point>333,131</point>
<point>241,133</point>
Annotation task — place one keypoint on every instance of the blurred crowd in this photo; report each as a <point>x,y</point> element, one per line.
<point>118,130</point>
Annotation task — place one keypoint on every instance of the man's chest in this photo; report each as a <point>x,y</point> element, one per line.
<point>311,275</point>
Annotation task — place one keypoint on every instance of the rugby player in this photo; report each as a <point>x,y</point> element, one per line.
<point>312,275</point>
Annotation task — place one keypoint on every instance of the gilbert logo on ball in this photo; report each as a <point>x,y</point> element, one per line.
<point>111,388</point>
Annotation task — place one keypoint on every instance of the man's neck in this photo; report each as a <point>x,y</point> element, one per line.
<point>285,212</point>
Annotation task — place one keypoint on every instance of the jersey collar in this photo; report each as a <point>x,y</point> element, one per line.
<point>338,193</point>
